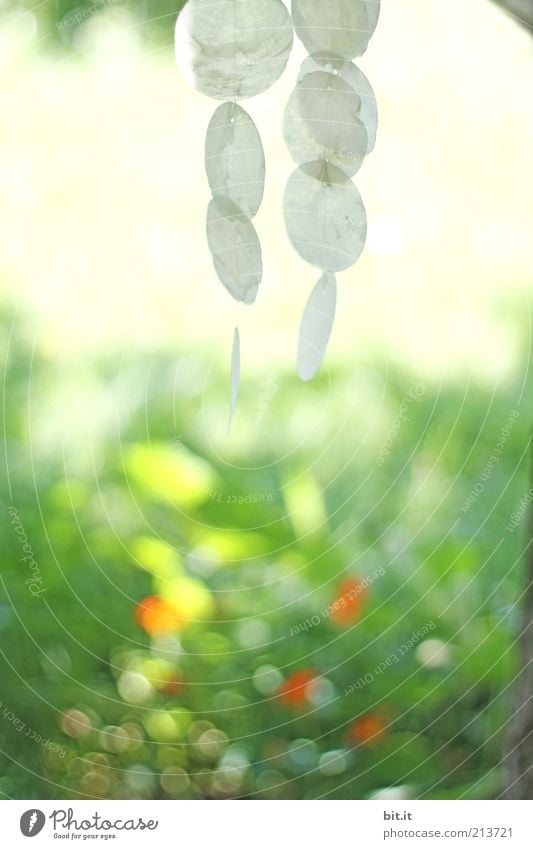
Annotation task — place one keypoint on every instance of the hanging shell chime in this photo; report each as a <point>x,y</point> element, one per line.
<point>329,126</point>
<point>231,50</point>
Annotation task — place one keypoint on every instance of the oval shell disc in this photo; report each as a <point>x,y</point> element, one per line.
<point>235,248</point>
<point>352,75</point>
<point>339,27</point>
<point>316,326</point>
<point>322,122</point>
<point>325,216</point>
<point>234,158</point>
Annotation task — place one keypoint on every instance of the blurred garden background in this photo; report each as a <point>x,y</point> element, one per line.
<point>325,602</point>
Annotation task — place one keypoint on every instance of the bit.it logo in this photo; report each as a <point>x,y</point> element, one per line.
<point>32,822</point>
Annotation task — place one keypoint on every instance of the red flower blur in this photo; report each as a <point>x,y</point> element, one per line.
<point>157,616</point>
<point>348,605</point>
<point>367,730</point>
<point>294,692</point>
<point>173,686</point>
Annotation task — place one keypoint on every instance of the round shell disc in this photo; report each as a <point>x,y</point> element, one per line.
<point>322,122</point>
<point>340,27</point>
<point>325,216</point>
<point>373,10</point>
<point>233,49</point>
<point>352,75</point>
<point>234,158</point>
<point>235,248</point>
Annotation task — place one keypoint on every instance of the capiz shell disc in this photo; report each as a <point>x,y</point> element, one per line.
<point>325,216</point>
<point>233,49</point>
<point>316,326</point>
<point>341,27</point>
<point>235,249</point>
<point>351,74</point>
<point>234,158</point>
<point>322,122</point>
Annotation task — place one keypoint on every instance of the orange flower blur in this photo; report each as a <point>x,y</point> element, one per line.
<point>157,616</point>
<point>369,729</point>
<point>294,691</point>
<point>348,605</point>
<point>173,686</point>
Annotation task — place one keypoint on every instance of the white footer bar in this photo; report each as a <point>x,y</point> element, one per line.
<point>268,824</point>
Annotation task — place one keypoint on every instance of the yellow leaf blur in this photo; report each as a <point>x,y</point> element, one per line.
<point>168,475</point>
<point>234,545</point>
<point>305,505</point>
<point>156,556</point>
<point>189,597</point>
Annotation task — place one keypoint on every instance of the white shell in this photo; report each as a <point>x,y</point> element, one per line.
<point>322,122</point>
<point>373,8</point>
<point>234,158</point>
<point>325,216</point>
<point>316,326</point>
<point>352,75</point>
<point>235,375</point>
<point>233,49</point>
<point>340,27</point>
<point>235,248</point>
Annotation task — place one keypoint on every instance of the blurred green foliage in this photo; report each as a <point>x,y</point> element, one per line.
<point>258,687</point>
<point>58,21</point>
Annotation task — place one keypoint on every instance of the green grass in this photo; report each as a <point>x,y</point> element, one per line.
<point>142,456</point>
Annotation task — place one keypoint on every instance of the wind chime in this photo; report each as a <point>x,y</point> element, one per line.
<point>232,50</point>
